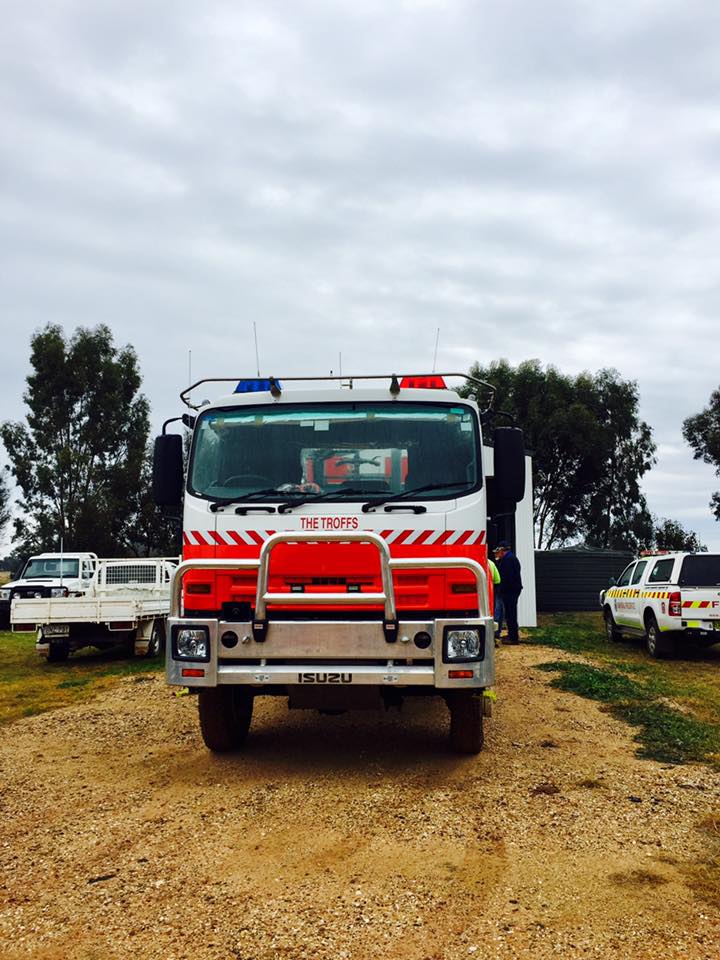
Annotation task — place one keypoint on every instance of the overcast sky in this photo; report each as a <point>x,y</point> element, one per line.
<point>537,179</point>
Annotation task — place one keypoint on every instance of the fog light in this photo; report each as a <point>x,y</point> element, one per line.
<point>192,643</point>
<point>462,644</point>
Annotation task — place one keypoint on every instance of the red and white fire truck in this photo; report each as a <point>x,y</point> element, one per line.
<point>335,547</point>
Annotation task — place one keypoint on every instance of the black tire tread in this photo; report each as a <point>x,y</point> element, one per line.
<point>225,715</point>
<point>466,722</point>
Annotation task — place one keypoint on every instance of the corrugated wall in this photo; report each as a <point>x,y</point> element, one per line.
<point>572,579</point>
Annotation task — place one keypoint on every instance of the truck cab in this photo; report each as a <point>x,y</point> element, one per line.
<point>335,550</point>
<point>49,575</point>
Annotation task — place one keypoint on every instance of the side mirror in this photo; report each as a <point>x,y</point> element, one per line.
<point>509,455</point>
<point>167,482</point>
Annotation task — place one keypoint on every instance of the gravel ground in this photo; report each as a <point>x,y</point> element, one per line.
<point>356,836</point>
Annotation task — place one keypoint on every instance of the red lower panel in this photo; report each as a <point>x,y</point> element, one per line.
<point>330,567</point>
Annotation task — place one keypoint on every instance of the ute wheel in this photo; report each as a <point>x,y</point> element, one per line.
<point>612,634</point>
<point>58,652</point>
<point>659,645</point>
<point>466,721</point>
<point>225,715</point>
<point>156,645</point>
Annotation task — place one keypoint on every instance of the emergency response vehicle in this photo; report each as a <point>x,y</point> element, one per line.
<point>335,547</point>
<point>667,598</point>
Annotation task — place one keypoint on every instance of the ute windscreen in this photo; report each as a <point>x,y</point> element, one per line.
<point>340,451</point>
<point>700,570</point>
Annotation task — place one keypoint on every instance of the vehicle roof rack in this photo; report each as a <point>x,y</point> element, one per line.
<point>348,380</point>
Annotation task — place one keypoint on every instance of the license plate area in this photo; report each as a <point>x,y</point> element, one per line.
<point>56,630</point>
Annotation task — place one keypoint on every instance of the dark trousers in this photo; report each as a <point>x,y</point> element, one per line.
<point>510,602</point>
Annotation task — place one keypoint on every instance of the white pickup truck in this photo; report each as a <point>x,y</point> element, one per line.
<point>669,598</point>
<point>49,575</point>
<point>126,601</point>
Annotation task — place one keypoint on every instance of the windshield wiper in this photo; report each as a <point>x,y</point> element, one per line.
<point>254,495</point>
<point>408,494</point>
<point>314,497</point>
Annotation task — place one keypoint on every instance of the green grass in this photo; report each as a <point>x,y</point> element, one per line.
<point>30,685</point>
<point>674,704</point>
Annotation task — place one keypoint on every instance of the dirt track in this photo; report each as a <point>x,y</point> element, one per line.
<point>348,837</point>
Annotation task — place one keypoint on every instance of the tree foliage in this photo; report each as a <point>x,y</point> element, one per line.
<point>81,459</point>
<point>590,450</point>
<point>672,535</point>
<point>702,432</point>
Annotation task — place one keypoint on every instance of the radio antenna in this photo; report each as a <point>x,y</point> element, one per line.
<point>437,340</point>
<point>340,363</point>
<point>257,355</point>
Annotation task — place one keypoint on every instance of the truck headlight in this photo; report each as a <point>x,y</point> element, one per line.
<point>463,644</point>
<point>191,643</point>
<point>58,591</point>
<point>4,594</point>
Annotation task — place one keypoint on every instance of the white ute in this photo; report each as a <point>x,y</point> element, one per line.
<point>49,575</point>
<point>669,598</point>
<point>125,601</point>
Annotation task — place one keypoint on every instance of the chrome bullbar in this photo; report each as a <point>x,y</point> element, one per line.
<point>280,652</point>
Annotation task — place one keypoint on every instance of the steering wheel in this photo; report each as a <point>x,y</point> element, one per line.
<point>246,478</point>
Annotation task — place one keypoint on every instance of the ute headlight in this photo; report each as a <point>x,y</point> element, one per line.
<point>463,644</point>
<point>191,643</point>
<point>58,591</point>
<point>4,594</point>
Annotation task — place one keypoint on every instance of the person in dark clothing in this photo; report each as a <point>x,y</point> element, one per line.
<point>509,588</point>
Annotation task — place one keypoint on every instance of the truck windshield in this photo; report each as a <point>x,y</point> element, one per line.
<point>363,448</point>
<point>700,570</point>
<point>50,567</point>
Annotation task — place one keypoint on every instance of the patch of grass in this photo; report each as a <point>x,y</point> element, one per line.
<point>666,733</point>
<point>30,685</point>
<point>592,682</point>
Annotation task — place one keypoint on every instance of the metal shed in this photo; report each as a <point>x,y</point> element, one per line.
<point>571,579</point>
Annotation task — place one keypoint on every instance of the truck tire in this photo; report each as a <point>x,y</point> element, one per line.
<point>58,652</point>
<point>156,645</point>
<point>225,715</point>
<point>612,634</point>
<point>466,721</point>
<point>658,644</point>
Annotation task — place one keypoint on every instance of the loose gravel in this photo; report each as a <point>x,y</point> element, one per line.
<point>350,837</point>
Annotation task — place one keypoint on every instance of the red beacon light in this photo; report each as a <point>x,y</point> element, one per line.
<point>423,383</point>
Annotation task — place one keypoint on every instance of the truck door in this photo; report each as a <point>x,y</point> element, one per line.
<point>635,610</point>
<point>621,599</point>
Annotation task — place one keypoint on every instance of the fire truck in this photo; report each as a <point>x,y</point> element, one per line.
<point>335,541</point>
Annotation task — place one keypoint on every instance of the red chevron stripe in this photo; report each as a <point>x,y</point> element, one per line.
<point>464,538</point>
<point>218,538</point>
<point>401,537</point>
<point>199,538</point>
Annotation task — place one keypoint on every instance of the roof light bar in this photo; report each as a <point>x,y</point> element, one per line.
<point>420,380</point>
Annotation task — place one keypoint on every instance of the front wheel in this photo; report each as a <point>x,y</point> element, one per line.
<point>466,721</point>
<point>612,634</point>
<point>225,715</point>
<point>658,644</point>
